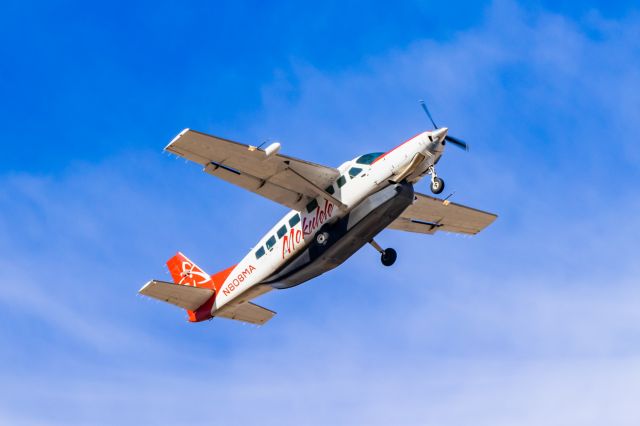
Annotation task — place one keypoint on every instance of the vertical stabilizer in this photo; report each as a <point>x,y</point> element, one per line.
<point>185,272</point>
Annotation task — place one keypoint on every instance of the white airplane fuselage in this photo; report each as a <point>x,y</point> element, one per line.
<point>371,196</point>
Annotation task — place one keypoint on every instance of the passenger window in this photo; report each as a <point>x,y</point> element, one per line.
<point>312,205</point>
<point>341,181</point>
<point>294,220</point>
<point>271,242</point>
<point>354,171</point>
<point>330,189</point>
<point>260,253</point>
<point>282,231</point>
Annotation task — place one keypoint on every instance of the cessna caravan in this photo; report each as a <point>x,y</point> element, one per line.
<point>334,213</point>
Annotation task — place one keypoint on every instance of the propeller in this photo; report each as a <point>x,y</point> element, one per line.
<point>457,142</point>
<point>426,110</point>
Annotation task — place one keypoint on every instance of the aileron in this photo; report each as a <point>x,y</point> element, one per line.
<point>428,215</point>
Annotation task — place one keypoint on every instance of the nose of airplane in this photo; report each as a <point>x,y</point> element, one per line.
<point>440,133</point>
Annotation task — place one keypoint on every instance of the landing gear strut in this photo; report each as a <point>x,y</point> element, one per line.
<point>387,256</point>
<point>437,184</point>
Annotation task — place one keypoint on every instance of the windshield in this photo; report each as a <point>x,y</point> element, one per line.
<point>369,158</point>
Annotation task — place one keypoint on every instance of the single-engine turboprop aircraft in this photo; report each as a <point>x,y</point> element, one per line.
<point>334,213</point>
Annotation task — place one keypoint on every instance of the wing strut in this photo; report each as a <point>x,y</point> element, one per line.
<point>321,191</point>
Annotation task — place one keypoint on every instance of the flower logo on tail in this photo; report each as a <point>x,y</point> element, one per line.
<point>193,276</point>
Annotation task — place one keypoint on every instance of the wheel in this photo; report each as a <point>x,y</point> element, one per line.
<point>437,185</point>
<point>322,238</point>
<point>389,257</point>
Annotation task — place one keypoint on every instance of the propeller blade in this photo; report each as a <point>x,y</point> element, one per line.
<point>457,142</point>
<point>426,110</point>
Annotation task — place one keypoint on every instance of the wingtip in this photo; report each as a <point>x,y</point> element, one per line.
<point>143,288</point>
<point>178,136</point>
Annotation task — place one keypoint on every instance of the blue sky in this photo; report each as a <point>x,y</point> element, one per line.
<point>535,321</point>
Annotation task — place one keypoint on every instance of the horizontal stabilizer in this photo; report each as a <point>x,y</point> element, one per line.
<point>247,312</point>
<point>187,297</point>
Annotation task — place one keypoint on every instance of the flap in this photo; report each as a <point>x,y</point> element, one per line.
<point>187,297</point>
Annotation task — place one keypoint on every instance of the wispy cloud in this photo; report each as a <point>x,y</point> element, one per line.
<point>533,322</point>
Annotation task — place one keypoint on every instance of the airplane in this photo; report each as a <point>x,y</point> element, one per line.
<point>334,213</point>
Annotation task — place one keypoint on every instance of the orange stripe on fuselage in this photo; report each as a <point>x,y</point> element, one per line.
<point>220,277</point>
<point>390,151</point>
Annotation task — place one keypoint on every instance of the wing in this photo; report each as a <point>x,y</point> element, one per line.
<point>186,297</point>
<point>247,312</point>
<point>283,179</point>
<point>428,214</point>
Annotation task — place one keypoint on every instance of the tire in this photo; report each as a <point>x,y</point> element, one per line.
<point>437,185</point>
<point>389,257</point>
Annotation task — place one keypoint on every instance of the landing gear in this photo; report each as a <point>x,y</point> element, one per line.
<point>387,256</point>
<point>437,184</point>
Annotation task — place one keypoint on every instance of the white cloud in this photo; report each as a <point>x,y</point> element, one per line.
<point>533,322</point>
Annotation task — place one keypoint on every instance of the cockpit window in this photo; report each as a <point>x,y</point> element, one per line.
<point>369,158</point>
<point>354,171</point>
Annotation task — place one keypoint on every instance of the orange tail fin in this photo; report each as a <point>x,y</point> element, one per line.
<point>185,272</point>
